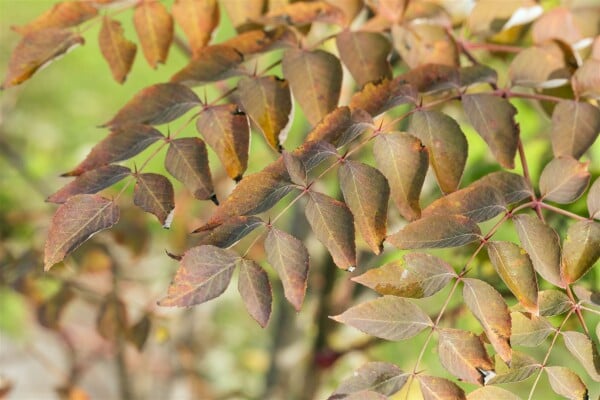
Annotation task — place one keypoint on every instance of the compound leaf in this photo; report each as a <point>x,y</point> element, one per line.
<point>198,19</point>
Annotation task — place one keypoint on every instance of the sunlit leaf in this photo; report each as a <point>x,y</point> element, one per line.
<point>378,97</point>
<point>255,289</point>
<point>529,330</point>
<point>431,78</point>
<point>421,43</point>
<point>575,127</point>
<point>566,383</point>
<point>389,9</point>
<point>212,64</point>
<point>463,354</point>
<point>564,179</point>
<point>526,70</point>
<point>593,200</point>
<point>198,19</point>
<point>404,161</point>
<point>302,13</point>
<point>479,202</point>
<point>516,270</point>
<point>388,317</point>
<point>315,78</point>
<point>491,311</point>
<point>289,257</point>
<point>446,144</point>
<point>494,119</point>
<point>117,50</point>
<point>365,54</point>
<point>229,232</point>
<point>187,161</point>
<point>62,15</point>
<point>492,393</point>
<point>268,101</point>
<point>366,193</point>
<point>380,377</point>
<point>435,232</point>
<point>156,104</point>
<point>90,182</point>
<point>585,351</point>
<point>154,27</point>
<point>75,222</point>
<point>204,273</point>
<point>341,126</point>
<point>542,244</point>
<point>553,302</point>
<point>154,194</point>
<point>436,388</point>
<point>581,250</point>
<point>416,275</point>
<point>521,367</point>
<point>258,41</point>
<point>333,225</point>
<point>35,51</point>
<point>227,131</point>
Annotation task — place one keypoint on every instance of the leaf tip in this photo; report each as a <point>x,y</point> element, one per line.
<point>214,199</point>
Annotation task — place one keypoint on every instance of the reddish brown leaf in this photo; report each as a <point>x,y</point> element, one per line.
<point>154,194</point>
<point>593,200</point>
<point>404,161</point>
<point>316,80</point>
<point>204,273</point>
<point>379,377</point>
<point>268,101</point>
<point>575,127</point>
<point>494,119</point>
<point>557,23</point>
<point>512,187</point>
<point>435,388</point>
<point>62,15</point>
<point>290,259</point>
<point>587,296</point>
<point>421,43</point>
<point>198,19</point>
<point>156,104</point>
<point>75,222</point>
<point>477,201</point>
<point>212,64</point>
<point>333,225</point>
<point>491,311</point>
<point>543,246</point>
<point>526,70</point>
<point>392,10</point>
<point>154,27</point>
<point>90,182</point>
<point>365,54</point>
<point>255,289</point>
<point>258,41</point>
<point>124,141</point>
<point>187,161</point>
<point>514,267</point>
<point>566,383</point>
<point>581,250</point>
<point>295,168</point>
<point>463,354</point>
<point>378,97</point>
<point>417,275</point>
<point>36,50</point>
<point>229,232</point>
<point>341,126</point>
<point>118,52</point>
<point>303,13</point>
<point>435,232</point>
<point>585,351</point>
<point>388,317</point>
<point>226,129</point>
<point>477,74</point>
<point>446,144</point>
<point>564,180</point>
<point>366,193</point>
<point>529,330</point>
<point>111,321</point>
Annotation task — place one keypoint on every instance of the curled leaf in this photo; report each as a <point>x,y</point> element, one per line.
<point>154,27</point>
<point>64,14</point>
<point>118,52</point>
<point>229,232</point>
<point>341,126</point>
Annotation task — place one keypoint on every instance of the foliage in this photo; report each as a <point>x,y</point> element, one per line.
<point>394,94</point>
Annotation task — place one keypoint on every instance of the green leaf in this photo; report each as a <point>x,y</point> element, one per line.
<point>154,193</point>
<point>366,193</point>
<point>463,354</point>
<point>436,388</point>
<point>529,330</point>
<point>388,317</point>
<point>493,118</point>
<point>585,351</point>
<point>477,74</point>
<point>512,187</point>
<point>417,275</point>
<point>341,126</point>
<point>117,50</point>
<point>581,250</point>
<point>514,267</point>
<point>566,383</point>
<point>564,180</point>
<point>187,161</point>
<point>333,225</point>
<point>424,43</point>
<point>213,64</point>
<point>585,81</point>
<point>154,27</point>
<point>365,54</point>
<point>255,289</point>
<point>446,144</point>
<point>436,232</point>
<point>575,127</point>
<point>380,377</point>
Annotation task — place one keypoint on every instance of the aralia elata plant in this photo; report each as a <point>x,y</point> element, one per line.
<point>413,69</point>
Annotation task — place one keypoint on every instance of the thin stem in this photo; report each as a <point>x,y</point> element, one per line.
<point>532,96</point>
<point>590,310</point>
<point>562,212</point>
<point>527,176</point>
<point>577,309</point>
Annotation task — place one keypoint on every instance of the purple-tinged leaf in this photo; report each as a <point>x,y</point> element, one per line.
<point>74,222</point>
<point>463,354</point>
<point>90,182</point>
<point>290,259</point>
<point>341,126</point>
<point>156,105</point>
<point>255,289</point>
<point>257,41</point>
<point>446,144</point>
<point>365,54</point>
<point>491,311</point>
<point>304,13</point>
<point>542,244</point>
<point>204,273</point>
<point>493,118</point>
<point>436,388</point>
<point>593,200</point>
<point>492,393</point>
<point>417,275</point>
<point>154,193</point>
<point>575,127</point>
<point>213,64</point>
<point>187,161</point>
<point>564,180</point>
<point>553,302</point>
<point>529,330</point>
<point>521,367</point>
<point>581,250</point>
<point>436,232</point>
<point>117,50</point>
<point>403,160</point>
<point>333,225</point>
<point>585,351</point>
<point>512,187</point>
<point>388,317</point>
<point>379,377</point>
<point>154,27</point>
<point>229,232</point>
<point>477,202</point>
<point>366,193</point>
<point>566,383</point>
<point>198,19</point>
<point>516,270</point>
